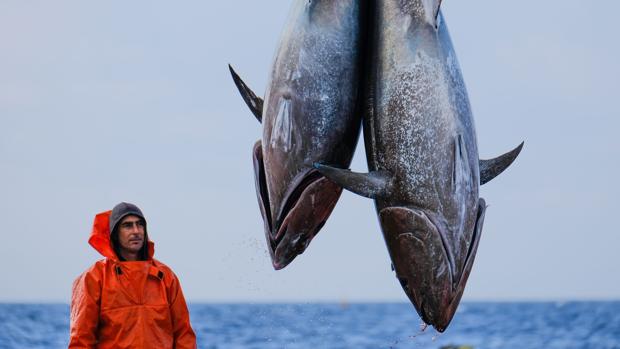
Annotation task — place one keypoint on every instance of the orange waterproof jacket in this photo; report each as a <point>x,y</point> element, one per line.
<point>127,304</point>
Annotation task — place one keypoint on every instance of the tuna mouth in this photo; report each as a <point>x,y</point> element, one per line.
<point>292,198</point>
<point>308,203</point>
<point>423,264</point>
<point>306,209</point>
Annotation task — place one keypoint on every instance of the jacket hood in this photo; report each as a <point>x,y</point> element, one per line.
<point>100,237</point>
<point>123,210</point>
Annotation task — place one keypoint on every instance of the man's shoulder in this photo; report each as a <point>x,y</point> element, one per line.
<point>95,268</point>
<point>100,264</point>
<point>91,275</point>
<point>161,265</point>
<point>165,268</point>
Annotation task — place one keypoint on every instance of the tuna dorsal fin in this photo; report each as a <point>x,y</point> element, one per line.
<point>254,102</point>
<point>371,185</point>
<point>489,169</point>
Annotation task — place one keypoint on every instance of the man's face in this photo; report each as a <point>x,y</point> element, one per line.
<point>131,234</point>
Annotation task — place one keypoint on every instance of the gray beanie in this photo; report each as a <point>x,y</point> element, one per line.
<point>122,210</point>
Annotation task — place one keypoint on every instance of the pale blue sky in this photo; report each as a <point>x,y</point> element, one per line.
<point>111,101</point>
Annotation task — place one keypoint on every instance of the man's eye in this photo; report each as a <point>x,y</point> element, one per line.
<point>129,225</point>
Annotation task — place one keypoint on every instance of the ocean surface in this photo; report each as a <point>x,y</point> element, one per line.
<point>594,325</point>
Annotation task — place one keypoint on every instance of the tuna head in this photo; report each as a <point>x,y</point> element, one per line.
<point>424,261</point>
<point>432,250</point>
<point>291,220</point>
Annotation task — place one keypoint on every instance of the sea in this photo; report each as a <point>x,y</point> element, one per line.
<point>509,325</point>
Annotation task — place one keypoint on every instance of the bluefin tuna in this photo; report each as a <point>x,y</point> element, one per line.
<point>310,113</point>
<point>422,156</point>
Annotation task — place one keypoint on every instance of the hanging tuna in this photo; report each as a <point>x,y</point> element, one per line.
<point>422,156</point>
<point>309,114</point>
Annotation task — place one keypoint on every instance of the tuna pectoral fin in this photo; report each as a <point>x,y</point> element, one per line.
<point>489,169</point>
<point>371,185</point>
<point>254,102</point>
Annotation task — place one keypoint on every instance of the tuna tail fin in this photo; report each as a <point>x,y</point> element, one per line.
<point>489,169</point>
<point>371,185</point>
<point>254,102</point>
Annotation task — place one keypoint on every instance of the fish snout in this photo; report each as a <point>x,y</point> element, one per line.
<point>292,244</point>
<point>307,207</point>
<point>421,263</point>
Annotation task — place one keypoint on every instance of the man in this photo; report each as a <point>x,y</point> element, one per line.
<point>128,299</point>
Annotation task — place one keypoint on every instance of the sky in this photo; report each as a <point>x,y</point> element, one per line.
<point>109,101</point>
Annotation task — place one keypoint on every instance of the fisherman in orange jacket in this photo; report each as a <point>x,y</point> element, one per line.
<point>128,299</point>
